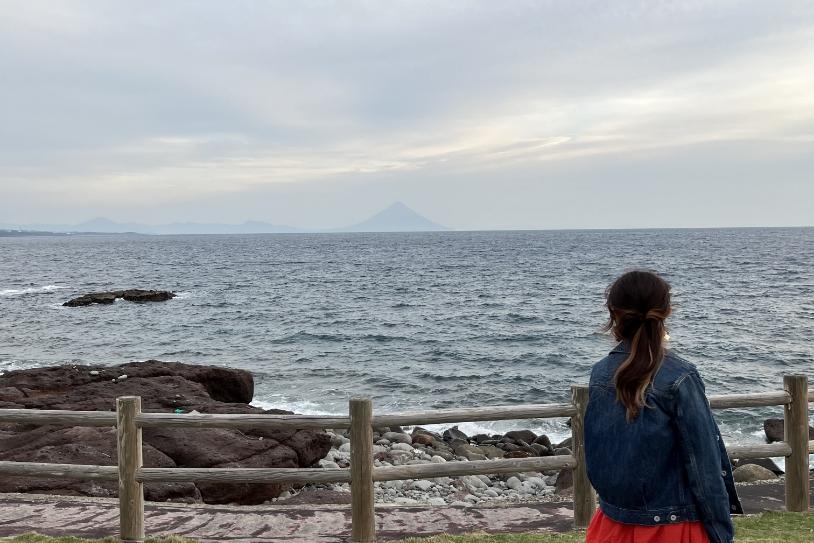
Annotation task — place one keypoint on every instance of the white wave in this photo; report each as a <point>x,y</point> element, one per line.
<point>301,407</point>
<point>557,431</point>
<point>9,365</point>
<point>30,290</point>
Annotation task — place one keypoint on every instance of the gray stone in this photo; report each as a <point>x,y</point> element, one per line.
<point>470,452</point>
<point>338,440</point>
<point>423,485</point>
<point>455,433</point>
<point>767,463</point>
<point>473,481</point>
<point>491,452</point>
<point>750,473</point>
<point>514,483</point>
<point>544,441</point>
<point>536,482</point>
<point>396,437</point>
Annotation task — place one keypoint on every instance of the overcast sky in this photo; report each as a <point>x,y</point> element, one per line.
<point>508,114</point>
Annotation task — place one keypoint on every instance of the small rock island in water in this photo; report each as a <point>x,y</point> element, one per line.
<point>132,295</point>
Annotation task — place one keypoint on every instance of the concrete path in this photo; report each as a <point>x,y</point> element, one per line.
<point>89,517</point>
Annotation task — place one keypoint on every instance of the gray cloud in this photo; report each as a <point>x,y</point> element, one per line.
<point>481,114</point>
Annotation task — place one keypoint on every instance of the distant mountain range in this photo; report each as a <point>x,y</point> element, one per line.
<point>395,218</point>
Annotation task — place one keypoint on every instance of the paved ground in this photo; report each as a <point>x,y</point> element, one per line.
<point>60,515</point>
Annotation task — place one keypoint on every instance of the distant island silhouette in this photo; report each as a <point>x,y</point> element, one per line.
<point>397,217</point>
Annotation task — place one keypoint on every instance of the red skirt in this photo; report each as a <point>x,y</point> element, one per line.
<point>606,530</point>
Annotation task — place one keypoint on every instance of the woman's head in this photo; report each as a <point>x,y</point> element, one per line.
<point>638,303</point>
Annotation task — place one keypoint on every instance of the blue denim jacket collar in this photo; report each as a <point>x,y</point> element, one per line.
<point>622,347</point>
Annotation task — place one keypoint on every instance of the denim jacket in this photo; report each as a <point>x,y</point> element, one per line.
<point>667,465</point>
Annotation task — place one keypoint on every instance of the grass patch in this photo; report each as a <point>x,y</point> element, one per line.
<point>764,528</point>
<point>37,538</point>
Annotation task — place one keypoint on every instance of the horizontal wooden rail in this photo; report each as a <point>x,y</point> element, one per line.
<point>761,450</point>
<point>475,414</point>
<point>240,420</point>
<point>760,399</point>
<point>59,471</point>
<point>244,475</point>
<point>58,418</point>
<point>410,418</point>
<point>476,467</point>
<point>319,475</point>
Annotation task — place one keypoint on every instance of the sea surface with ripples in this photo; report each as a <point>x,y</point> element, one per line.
<point>415,320</point>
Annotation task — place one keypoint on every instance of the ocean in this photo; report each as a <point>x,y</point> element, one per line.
<point>415,320</point>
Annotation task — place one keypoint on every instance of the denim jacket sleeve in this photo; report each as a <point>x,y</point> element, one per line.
<point>705,460</point>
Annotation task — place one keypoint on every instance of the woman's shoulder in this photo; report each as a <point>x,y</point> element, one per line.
<point>674,369</point>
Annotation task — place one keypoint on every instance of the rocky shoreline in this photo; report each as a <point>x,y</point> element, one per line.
<point>181,388</point>
<point>395,447</point>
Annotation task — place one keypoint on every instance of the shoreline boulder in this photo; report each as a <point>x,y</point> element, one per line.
<point>775,429</point>
<point>164,387</point>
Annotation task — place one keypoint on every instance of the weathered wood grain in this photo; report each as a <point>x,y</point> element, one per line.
<point>58,418</point>
<point>240,420</point>
<point>477,467</point>
<point>760,399</point>
<point>584,495</point>
<point>798,485</point>
<point>59,471</point>
<point>244,475</point>
<point>363,527</point>
<point>131,490</point>
<point>474,414</point>
<point>760,450</point>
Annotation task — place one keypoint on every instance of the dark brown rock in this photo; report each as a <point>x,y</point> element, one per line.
<point>422,439</point>
<point>519,454</point>
<point>526,436</point>
<point>544,441</point>
<point>454,433</point>
<point>565,482</point>
<point>131,295</point>
<point>164,387</point>
<point>775,428</point>
<point>419,430</point>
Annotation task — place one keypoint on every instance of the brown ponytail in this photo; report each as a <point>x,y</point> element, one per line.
<point>638,303</point>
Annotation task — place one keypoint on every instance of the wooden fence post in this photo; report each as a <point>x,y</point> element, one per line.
<point>798,487</point>
<point>131,492</point>
<point>363,520</point>
<point>584,495</point>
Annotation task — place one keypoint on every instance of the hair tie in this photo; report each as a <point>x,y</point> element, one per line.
<point>653,315</point>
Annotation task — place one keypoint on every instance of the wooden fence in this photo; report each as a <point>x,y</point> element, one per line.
<point>129,420</point>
